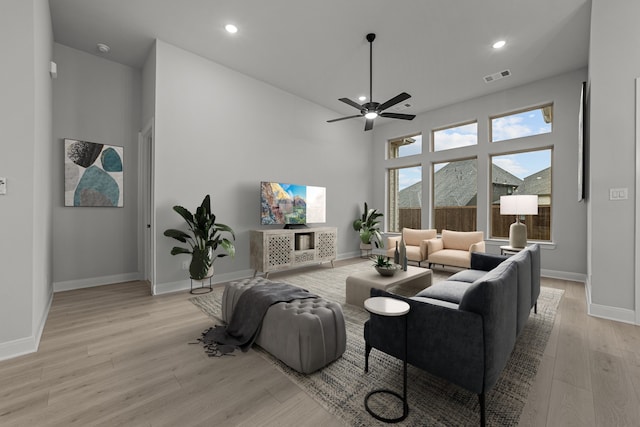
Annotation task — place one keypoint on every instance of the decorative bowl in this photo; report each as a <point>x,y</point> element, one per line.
<point>386,271</point>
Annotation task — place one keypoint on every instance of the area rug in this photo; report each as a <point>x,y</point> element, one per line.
<point>342,386</point>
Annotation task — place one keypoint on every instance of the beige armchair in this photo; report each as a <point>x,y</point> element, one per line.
<point>454,248</point>
<point>415,241</point>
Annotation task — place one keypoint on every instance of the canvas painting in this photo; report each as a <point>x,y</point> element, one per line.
<point>93,174</point>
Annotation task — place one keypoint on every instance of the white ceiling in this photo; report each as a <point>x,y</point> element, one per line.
<point>436,50</point>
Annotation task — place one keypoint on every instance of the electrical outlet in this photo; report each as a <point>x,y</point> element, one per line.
<point>185,265</point>
<point>3,185</point>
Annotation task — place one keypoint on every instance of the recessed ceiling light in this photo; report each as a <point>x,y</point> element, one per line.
<point>499,44</point>
<point>362,98</point>
<point>231,28</point>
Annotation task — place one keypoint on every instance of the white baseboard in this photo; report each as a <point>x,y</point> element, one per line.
<point>185,285</point>
<point>95,281</point>
<point>617,314</point>
<point>564,275</point>
<point>22,346</point>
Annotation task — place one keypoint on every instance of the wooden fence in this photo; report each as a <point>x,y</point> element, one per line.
<point>464,218</point>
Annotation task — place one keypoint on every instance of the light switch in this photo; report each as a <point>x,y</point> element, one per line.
<point>3,185</point>
<point>618,193</point>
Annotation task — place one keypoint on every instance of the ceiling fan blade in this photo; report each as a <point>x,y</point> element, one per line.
<point>398,116</point>
<point>352,103</point>
<point>393,101</point>
<point>344,118</point>
<point>368,125</point>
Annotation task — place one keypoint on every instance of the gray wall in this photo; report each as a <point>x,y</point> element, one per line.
<point>219,132</point>
<point>99,101</point>
<point>614,64</point>
<point>25,230</point>
<point>566,255</point>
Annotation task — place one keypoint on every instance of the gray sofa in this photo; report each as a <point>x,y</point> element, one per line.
<point>464,329</point>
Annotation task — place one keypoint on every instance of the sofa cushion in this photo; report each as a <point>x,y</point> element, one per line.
<point>453,257</point>
<point>494,298</point>
<point>438,302</point>
<point>461,240</point>
<point>523,262</point>
<point>450,291</point>
<point>469,276</point>
<point>486,262</point>
<point>413,237</point>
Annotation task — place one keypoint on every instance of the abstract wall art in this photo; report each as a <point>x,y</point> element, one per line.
<point>93,174</point>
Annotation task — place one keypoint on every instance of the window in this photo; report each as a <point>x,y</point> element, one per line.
<point>456,136</point>
<point>535,121</point>
<point>455,194</point>
<point>407,146</point>
<point>522,173</point>
<point>405,198</point>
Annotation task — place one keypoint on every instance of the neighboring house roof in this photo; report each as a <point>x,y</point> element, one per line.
<point>500,176</point>
<point>411,197</point>
<point>538,183</point>
<point>452,190</point>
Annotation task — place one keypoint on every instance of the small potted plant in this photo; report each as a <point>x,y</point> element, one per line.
<point>205,238</point>
<point>384,266</point>
<point>368,227</point>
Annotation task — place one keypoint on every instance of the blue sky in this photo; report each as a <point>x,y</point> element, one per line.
<point>503,128</point>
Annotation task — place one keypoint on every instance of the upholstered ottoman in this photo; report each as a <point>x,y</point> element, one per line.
<point>306,334</point>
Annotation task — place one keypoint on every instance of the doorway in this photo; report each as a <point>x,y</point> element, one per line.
<point>146,204</point>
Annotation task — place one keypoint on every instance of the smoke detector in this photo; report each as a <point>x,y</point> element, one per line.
<point>103,48</point>
<point>497,76</point>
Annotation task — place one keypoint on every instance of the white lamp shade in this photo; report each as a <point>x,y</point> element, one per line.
<point>519,205</point>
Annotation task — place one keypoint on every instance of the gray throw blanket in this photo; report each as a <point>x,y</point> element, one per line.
<point>249,311</point>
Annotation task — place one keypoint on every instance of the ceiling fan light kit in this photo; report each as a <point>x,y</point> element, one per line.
<point>370,110</point>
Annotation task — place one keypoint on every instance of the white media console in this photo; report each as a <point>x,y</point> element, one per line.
<point>273,250</point>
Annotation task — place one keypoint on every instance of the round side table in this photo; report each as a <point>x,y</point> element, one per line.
<point>391,307</point>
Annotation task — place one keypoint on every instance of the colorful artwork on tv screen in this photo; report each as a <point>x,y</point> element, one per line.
<point>291,204</point>
<point>93,174</point>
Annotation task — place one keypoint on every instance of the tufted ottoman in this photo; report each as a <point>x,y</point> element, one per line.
<point>306,334</point>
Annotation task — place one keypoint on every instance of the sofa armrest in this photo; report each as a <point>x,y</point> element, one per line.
<point>442,340</point>
<point>485,262</point>
<point>434,245</point>
<point>477,247</point>
<point>424,249</point>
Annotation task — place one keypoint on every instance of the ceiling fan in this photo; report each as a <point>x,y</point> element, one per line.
<point>370,110</point>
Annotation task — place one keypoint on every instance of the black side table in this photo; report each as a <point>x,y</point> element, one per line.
<point>385,306</point>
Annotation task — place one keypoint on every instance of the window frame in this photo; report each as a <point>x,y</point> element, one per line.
<point>388,210</point>
<point>520,111</point>
<point>490,233</point>
<point>433,187</point>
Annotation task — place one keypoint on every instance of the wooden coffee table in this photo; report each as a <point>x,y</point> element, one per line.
<point>358,286</point>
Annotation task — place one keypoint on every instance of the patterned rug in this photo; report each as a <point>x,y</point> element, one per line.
<point>342,386</point>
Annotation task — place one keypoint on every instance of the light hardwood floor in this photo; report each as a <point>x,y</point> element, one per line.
<point>114,355</point>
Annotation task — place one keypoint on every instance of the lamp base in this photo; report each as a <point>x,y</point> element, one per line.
<point>518,235</point>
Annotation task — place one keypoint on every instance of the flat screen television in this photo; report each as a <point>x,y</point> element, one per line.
<point>291,204</point>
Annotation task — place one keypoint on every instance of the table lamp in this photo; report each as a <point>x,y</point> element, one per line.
<point>518,205</point>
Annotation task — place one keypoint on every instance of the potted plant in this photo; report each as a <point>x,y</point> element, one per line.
<point>205,238</point>
<point>384,266</point>
<point>368,227</point>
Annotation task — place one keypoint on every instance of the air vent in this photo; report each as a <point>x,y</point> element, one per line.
<point>497,76</point>
<point>401,107</point>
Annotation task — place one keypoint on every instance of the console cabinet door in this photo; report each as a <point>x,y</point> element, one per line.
<point>326,245</point>
<point>279,251</point>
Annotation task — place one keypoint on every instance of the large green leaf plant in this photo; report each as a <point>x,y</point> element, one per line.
<point>368,226</point>
<point>205,239</point>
